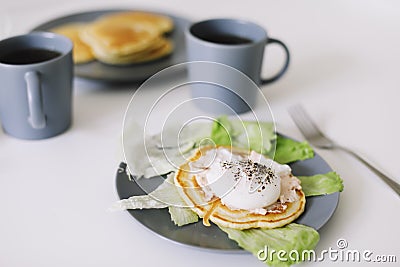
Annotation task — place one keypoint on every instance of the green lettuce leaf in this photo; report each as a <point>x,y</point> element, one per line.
<point>165,195</point>
<point>260,137</point>
<point>288,150</point>
<point>221,131</point>
<point>252,135</point>
<point>159,154</point>
<point>182,215</point>
<point>293,239</point>
<point>321,184</point>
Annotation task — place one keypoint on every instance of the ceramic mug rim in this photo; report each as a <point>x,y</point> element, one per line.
<point>262,35</point>
<point>64,51</point>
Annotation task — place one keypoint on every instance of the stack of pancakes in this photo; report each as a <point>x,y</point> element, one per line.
<point>120,38</point>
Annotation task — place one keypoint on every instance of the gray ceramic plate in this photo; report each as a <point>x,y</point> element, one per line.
<point>318,211</point>
<point>96,70</point>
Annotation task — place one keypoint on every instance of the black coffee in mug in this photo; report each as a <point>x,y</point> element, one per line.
<point>226,39</point>
<point>28,56</point>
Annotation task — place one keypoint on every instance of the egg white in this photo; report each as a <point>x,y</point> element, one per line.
<point>233,185</point>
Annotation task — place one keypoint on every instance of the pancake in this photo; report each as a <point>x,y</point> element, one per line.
<point>213,210</point>
<point>162,23</point>
<point>128,37</point>
<point>163,49</point>
<point>118,38</point>
<point>82,53</point>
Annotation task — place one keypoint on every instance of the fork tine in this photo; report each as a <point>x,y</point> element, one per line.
<point>304,122</point>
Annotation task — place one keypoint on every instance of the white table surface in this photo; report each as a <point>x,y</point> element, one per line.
<point>54,193</point>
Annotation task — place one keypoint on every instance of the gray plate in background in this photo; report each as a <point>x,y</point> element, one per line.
<point>96,70</point>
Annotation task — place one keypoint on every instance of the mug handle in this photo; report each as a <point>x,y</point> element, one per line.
<point>285,66</point>
<point>36,118</point>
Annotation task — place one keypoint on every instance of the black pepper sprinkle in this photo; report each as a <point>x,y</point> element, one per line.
<point>259,174</point>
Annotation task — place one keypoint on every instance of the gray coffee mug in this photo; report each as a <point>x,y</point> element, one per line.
<point>36,71</point>
<point>236,43</point>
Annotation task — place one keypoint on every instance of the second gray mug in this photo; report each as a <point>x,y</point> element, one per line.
<point>236,43</point>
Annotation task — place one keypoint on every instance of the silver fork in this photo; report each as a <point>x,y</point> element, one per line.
<point>316,138</point>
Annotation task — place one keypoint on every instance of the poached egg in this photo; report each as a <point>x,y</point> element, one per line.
<point>242,181</point>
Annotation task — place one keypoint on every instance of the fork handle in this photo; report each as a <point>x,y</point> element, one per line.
<point>389,181</point>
